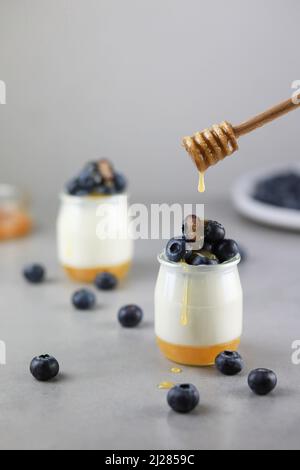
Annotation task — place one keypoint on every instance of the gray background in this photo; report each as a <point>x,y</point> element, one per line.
<point>126,79</point>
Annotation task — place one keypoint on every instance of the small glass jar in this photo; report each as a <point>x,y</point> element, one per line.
<point>15,220</point>
<point>198,311</point>
<point>85,247</point>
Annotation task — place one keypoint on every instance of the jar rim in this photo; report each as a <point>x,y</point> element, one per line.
<point>203,268</point>
<point>91,199</point>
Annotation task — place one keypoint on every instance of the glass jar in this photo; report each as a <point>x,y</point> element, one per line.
<point>15,220</point>
<point>198,311</point>
<point>92,236</point>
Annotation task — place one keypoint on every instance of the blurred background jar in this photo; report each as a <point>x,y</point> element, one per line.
<point>82,250</point>
<point>15,219</point>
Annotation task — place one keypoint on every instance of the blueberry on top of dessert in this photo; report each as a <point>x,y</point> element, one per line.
<point>97,178</point>
<point>196,248</point>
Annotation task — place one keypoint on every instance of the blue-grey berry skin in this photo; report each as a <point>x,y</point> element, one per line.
<point>120,182</point>
<point>130,316</point>
<point>106,281</point>
<point>84,299</point>
<point>175,249</point>
<point>34,273</point>
<point>72,187</point>
<point>225,250</point>
<point>44,368</point>
<point>183,398</point>
<point>229,363</point>
<point>262,381</point>
<point>89,177</point>
<point>213,231</point>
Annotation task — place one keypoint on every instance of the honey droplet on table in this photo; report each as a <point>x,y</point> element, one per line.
<point>201,185</point>
<point>176,370</point>
<point>166,385</point>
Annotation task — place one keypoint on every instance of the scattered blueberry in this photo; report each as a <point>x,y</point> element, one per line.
<point>130,316</point>
<point>34,273</point>
<point>175,249</point>
<point>44,368</point>
<point>106,281</point>
<point>120,182</point>
<point>262,381</point>
<point>183,398</point>
<point>226,250</point>
<point>229,363</point>
<point>84,299</point>
<point>214,231</point>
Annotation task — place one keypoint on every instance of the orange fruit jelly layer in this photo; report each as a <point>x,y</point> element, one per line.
<point>14,224</point>
<point>89,274</point>
<point>193,355</point>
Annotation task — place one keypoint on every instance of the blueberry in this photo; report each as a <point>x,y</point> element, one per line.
<point>213,231</point>
<point>120,182</point>
<point>44,368</point>
<point>207,246</point>
<point>229,363</point>
<point>282,190</point>
<point>262,381</point>
<point>105,189</point>
<point>130,316</point>
<point>82,192</point>
<point>106,281</point>
<point>90,177</point>
<point>175,249</point>
<point>225,250</point>
<point>84,299</point>
<point>73,186</point>
<point>183,398</point>
<point>195,259</point>
<point>34,273</point>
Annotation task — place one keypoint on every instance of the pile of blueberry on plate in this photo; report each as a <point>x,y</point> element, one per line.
<point>280,190</point>
<point>97,178</point>
<point>216,248</point>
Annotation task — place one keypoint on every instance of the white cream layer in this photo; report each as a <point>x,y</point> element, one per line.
<point>78,226</point>
<point>215,310</point>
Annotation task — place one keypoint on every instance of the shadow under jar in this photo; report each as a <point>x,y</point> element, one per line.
<point>198,311</point>
<point>92,236</point>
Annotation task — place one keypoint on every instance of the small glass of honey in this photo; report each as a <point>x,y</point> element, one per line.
<point>15,219</point>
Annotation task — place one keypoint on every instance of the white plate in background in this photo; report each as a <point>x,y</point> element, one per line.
<point>258,211</point>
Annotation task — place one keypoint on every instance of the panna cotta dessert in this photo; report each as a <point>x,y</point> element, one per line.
<point>198,298</point>
<point>92,225</point>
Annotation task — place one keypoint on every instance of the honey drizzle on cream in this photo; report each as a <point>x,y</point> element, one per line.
<point>184,317</point>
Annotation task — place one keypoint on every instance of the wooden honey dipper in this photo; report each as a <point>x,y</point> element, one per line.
<point>214,144</point>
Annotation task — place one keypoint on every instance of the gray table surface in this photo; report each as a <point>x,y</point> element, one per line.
<point>106,396</point>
